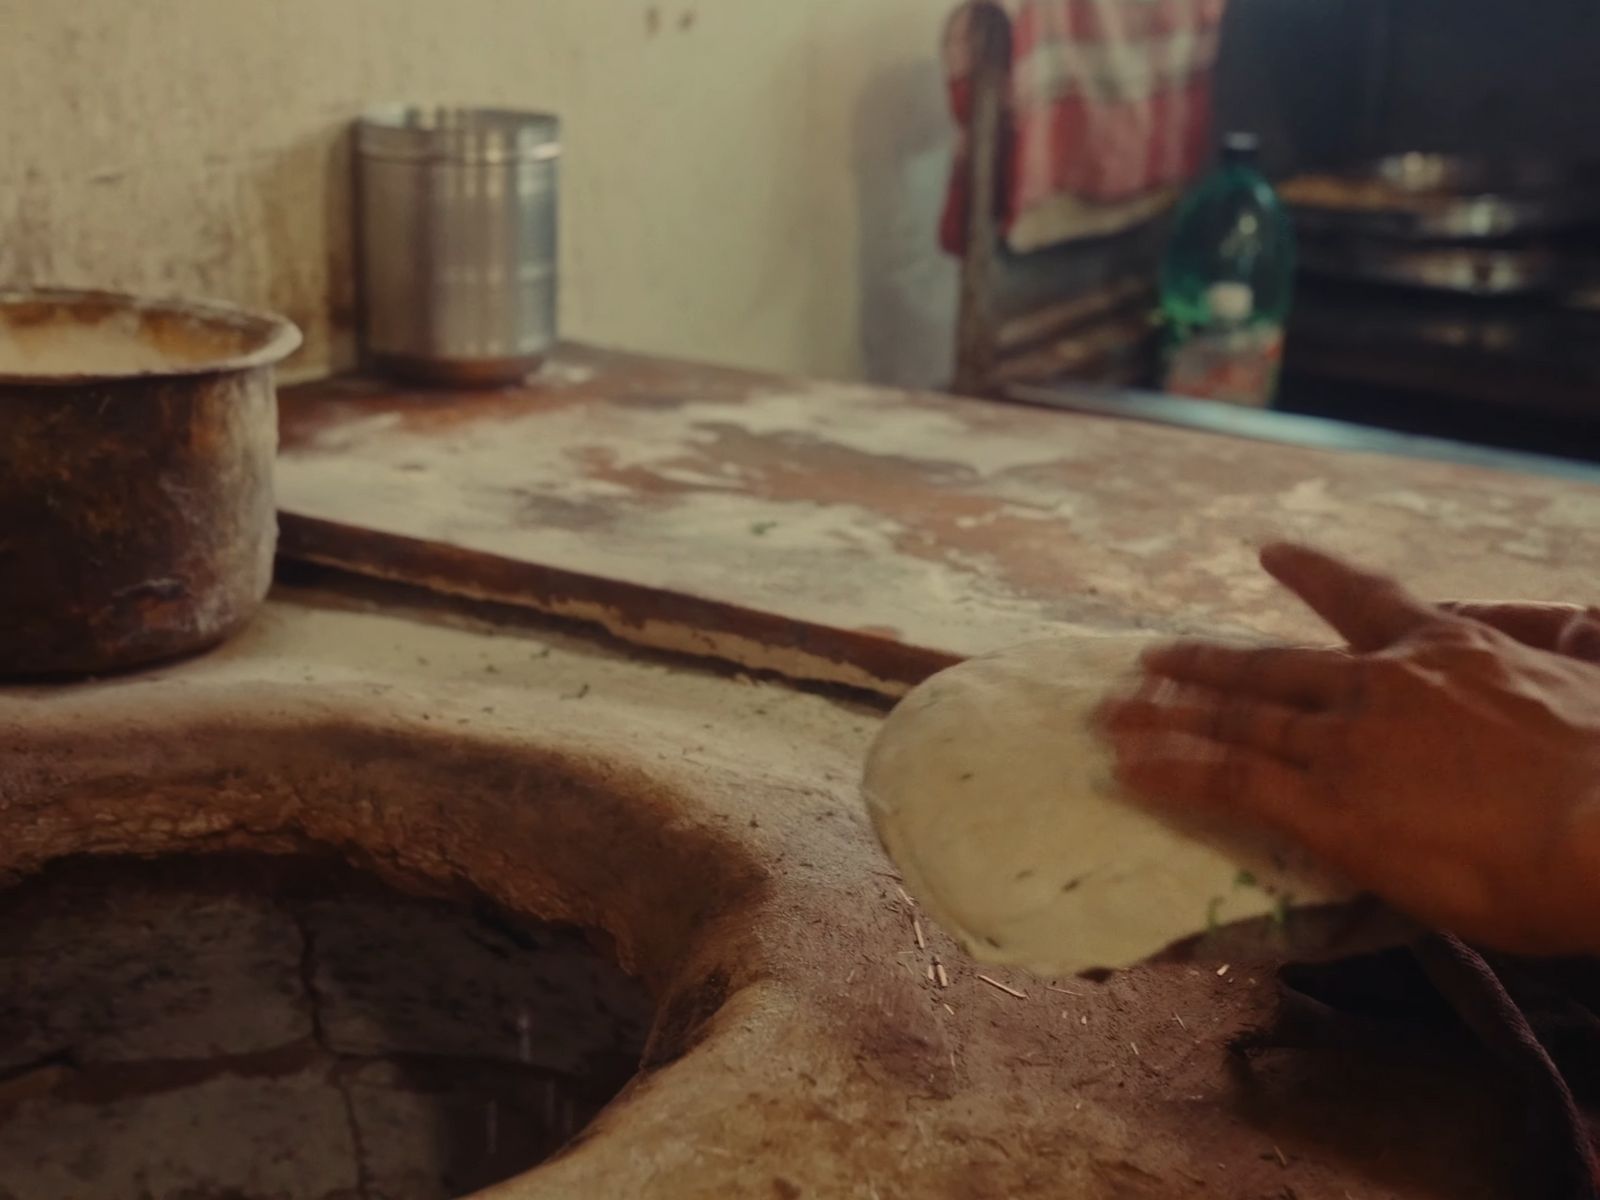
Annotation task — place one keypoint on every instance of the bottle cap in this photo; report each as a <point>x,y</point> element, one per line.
<point>1240,148</point>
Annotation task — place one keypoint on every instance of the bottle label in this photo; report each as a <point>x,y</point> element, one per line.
<point>1234,366</point>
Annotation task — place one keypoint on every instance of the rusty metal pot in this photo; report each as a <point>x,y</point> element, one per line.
<point>136,447</point>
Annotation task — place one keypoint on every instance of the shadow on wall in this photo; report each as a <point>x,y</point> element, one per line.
<point>296,202</point>
<point>903,143</point>
<point>340,266</point>
<point>25,244</point>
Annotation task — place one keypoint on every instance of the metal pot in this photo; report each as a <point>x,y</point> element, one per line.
<point>456,222</point>
<point>136,447</point>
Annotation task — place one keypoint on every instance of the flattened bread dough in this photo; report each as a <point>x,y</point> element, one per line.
<point>995,797</point>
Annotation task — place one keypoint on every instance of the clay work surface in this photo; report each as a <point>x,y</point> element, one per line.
<point>870,536</point>
<point>813,1034</point>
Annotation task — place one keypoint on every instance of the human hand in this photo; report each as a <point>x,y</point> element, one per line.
<point>1439,762</point>
<point>1568,629</point>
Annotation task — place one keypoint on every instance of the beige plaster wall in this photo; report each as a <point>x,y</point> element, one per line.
<point>749,181</point>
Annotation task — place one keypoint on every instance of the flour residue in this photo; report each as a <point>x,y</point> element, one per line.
<point>883,423</point>
<point>1310,496</point>
<point>961,526</point>
<point>756,550</point>
<point>556,373</point>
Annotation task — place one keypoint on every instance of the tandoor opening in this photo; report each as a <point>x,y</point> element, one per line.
<point>265,1027</point>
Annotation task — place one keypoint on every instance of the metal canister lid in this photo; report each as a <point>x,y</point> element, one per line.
<point>463,135</point>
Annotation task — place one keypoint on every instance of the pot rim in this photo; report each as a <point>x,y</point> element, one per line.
<point>272,337</point>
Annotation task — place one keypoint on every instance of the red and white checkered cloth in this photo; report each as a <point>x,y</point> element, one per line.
<point>1109,103</point>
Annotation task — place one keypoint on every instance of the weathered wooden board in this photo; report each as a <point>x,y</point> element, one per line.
<point>868,536</point>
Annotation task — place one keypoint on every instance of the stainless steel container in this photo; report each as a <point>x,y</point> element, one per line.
<point>456,226</point>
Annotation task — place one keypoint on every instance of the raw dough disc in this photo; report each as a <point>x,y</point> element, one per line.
<point>995,797</point>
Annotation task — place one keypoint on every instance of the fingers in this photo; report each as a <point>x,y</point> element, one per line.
<point>1303,678</point>
<point>1235,785</point>
<point>1567,629</point>
<point>1371,612</point>
<point>1536,625</point>
<point>1580,636</point>
<point>1287,734</point>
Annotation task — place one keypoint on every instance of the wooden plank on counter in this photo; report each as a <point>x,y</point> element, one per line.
<point>645,616</point>
<point>868,535</point>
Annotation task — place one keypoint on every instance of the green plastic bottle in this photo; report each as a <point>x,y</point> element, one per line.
<point>1226,283</point>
